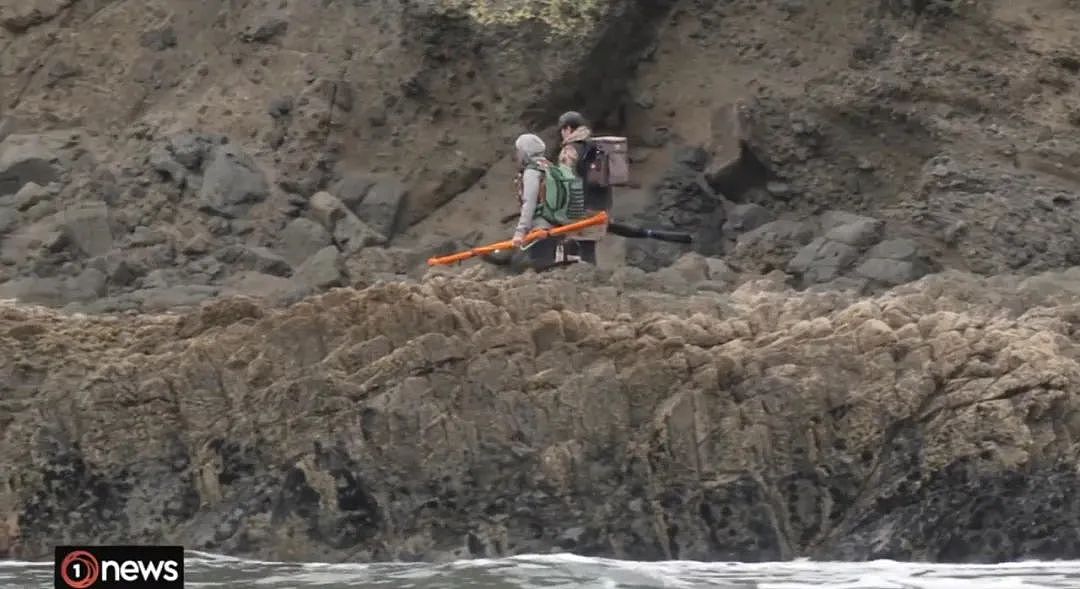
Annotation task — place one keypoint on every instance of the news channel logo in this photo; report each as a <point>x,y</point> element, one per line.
<point>94,567</point>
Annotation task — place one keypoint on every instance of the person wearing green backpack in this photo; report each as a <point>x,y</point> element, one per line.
<point>550,194</point>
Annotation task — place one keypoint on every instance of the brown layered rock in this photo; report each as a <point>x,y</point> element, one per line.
<point>452,418</point>
<point>217,125</point>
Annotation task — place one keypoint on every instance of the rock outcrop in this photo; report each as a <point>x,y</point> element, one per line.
<point>456,418</point>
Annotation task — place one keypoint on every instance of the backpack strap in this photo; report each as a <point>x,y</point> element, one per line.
<point>538,164</point>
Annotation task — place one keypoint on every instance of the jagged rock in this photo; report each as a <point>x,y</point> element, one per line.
<point>843,283</point>
<point>300,239</point>
<point>197,244</point>
<point>681,200</point>
<point>161,298</point>
<point>28,158</point>
<point>893,262</point>
<point>37,290</point>
<point>191,150</point>
<point>22,15</point>
<point>833,219</point>
<point>826,258</point>
<point>325,269</point>
<point>380,207</point>
<point>29,195</point>
<point>118,269</point>
<point>897,394</point>
<point>265,286</point>
<point>389,261</point>
<point>352,188</point>
<point>231,182</point>
<point>87,228</point>
<point>746,217</point>
<point>859,234</point>
<point>257,258</point>
<point>889,272</point>
<point>9,220</point>
<point>164,163</point>
<point>690,268</point>
<point>90,284</point>
<point>349,232</point>
<point>144,236</point>
<point>719,270</point>
<point>773,244</point>
<point>55,290</point>
<point>895,249</point>
<point>326,209</point>
<point>822,260</point>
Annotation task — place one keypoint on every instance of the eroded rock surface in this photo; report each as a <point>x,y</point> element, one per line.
<point>452,418</point>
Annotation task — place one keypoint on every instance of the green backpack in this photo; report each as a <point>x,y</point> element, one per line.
<point>562,193</point>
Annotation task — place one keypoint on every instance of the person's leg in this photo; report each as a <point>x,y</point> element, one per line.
<point>587,251</point>
<point>599,198</point>
<point>542,253</point>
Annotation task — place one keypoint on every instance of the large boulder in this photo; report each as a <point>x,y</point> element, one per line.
<point>300,239</point>
<point>29,158</point>
<point>325,269</point>
<point>894,262</point>
<point>21,15</point>
<point>349,232</point>
<point>231,182</point>
<point>87,227</point>
<point>381,206</point>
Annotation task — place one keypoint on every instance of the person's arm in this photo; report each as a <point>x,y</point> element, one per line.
<point>530,194</point>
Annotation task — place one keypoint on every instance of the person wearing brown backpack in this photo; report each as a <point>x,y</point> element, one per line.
<point>601,162</point>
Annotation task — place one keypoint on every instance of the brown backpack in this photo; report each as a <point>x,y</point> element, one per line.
<point>607,162</point>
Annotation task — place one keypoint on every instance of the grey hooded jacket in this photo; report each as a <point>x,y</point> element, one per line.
<point>529,146</point>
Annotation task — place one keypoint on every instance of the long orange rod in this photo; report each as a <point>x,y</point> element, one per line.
<point>597,219</point>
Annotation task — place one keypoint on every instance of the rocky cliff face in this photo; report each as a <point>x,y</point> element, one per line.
<point>457,418</point>
<point>928,119</point>
<point>183,162</point>
<point>869,353</point>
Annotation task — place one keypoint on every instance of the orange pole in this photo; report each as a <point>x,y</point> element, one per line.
<point>597,219</point>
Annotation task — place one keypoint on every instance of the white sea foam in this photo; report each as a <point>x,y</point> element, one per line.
<point>558,571</point>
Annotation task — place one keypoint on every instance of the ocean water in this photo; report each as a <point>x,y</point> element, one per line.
<point>567,571</point>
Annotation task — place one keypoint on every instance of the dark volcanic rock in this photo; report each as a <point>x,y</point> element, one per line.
<point>300,239</point>
<point>259,259</point>
<point>380,207</point>
<point>683,201</point>
<point>324,269</point>
<point>231,181</point>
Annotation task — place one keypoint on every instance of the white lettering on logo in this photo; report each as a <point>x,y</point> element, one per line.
<point>136,570</point>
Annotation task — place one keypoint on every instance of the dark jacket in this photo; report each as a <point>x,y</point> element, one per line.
<point>573,154</point>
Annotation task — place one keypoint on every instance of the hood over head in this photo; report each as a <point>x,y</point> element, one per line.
<point>529,146</point>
